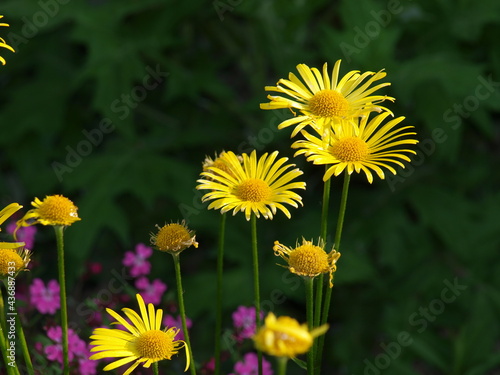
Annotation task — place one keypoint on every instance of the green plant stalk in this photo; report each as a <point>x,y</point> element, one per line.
<point>182,311</point>
<point>24,348</point>
<point>323,235</point>
<point>282,362</point>
<point>338,235</point>
<point>218,317</point>
<point>256,283</point>
<point>320,279</point>
<point>11,370</point>
<point>309,283</point>
<point>59,230</point>
<point>155,368</point>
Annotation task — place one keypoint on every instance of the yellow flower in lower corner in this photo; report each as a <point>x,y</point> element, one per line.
<point>144,342</point>
<point>3,43</point>
<point>307,259</point>
<point>256,186</point>
<point>173,238</point>
<point>285,337</point>
<point>359,145</point>
<point>13,261</point>
<point>53,210</point>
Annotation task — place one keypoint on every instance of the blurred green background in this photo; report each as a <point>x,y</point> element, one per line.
<point>116,103</point>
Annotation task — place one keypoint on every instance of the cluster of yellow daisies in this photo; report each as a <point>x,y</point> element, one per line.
<point>342,125</point>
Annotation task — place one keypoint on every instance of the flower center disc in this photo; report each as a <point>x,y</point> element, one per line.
<point>328,103</point>
<point>154,344</point>
<point>172,236</point>
<point>58,209</point>
<point>350,149</point>
<point>308,260</point>
<point>253,190</point>
<point>9,258</point>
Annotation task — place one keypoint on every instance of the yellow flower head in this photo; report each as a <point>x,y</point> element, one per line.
<point>307,259</point>
<point>173,238</point>
<point>13,261</point>
<point>323,101</point>
<point>359,145</point>
<point>285,337</point>
<point>254,186</point>
<point>3,43</point>
<point>144,342</point>
<point>53,210</point>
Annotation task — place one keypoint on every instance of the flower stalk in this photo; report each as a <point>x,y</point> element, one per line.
<point>256,283</point>
<point>218,317</point>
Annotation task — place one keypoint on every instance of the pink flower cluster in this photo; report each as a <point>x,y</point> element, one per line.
<point>250,366</point>
<point>244,322</point>
<point>152,292</point>
<point>137,261</point>
<point>45,299</point>
<point>78,351</point>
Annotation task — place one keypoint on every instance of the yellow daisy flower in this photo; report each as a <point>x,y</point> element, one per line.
<point>254,186</point>
<point>307,259</point>
<point>13,261</point>
<point>359,145</point>
<point>173,238</point>
<point>53,210</point>
<point>3,43</point>
<point>322,100</point>
<point>285,337</point>
<point>144,342</point>
<point>218,162</point>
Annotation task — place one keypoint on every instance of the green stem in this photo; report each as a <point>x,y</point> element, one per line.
<point>256,284</point>
<point>59,230</point>
<point>182,310</point>
<point>309,281</point>
<point>11,370</point>
<point>24,348</point>
<point>282,361</point>
<point>338,235</point>
<point>218,317</point>
<point>155,368</point>
<point>320,279</point>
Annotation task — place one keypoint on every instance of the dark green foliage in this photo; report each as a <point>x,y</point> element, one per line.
<point>82,73</point>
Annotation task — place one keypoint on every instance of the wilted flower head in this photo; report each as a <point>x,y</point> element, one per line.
<point>173,238</point>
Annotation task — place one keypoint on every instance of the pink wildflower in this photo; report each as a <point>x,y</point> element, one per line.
<point>137,262</point>
<point>45,300</point>
<point>76,346</point>
<point>244,322</point>
<point>24,234</point>
<point>151,292</point>
<point>250,366</point>
<point>170,321</point>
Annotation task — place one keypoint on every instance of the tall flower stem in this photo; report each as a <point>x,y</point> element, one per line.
<point>218,317</point>
<point>24,348</point>
<point>59,230</point>
<point>320,278</point>
<point>155,368</point>
<point>309,281</point>
<point>323,235</point>
<point>338,235</point>
<point>282,362</point>
<point>182,310</point>
<point>256,283</point>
